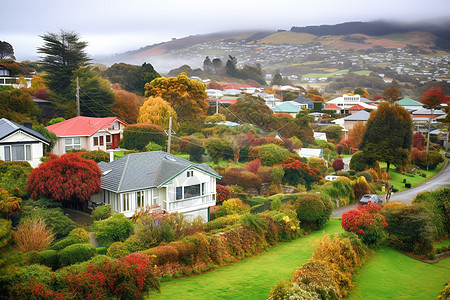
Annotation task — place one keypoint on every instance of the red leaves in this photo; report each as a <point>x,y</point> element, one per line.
<point>65,178</point>
<point>223,193</point>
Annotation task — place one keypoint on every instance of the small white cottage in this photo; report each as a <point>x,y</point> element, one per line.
<point>159,180</point>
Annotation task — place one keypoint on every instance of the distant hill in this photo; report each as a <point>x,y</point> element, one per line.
<point>380,28</point>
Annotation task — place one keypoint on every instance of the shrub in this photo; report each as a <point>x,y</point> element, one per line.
<point>366,222</point>
<point>153,147</point>
<point>410,228</point>
<point>67,241</point>
<point>438,202</point>
<point>359,162</point>
<point>311,211</point>
<point>297,172</point>
<point>277,174</point>
<point>117,250</point>
<point>318,163</point>
<point>96,155</point>
<point>14,176</point>
<point>365,174</point>
<point>338,164</point>
<point>102,212</point>
<point>222,193</point>
<point>49,258</point>
<point>137,136</point>
<point>76,253</point>
<point>269,154</point>
<point>292,290</point>
<point>164,254</point>
<point>116,228</point>
<point>80,234</point>
<point>101,250</point>
<point>33,234</point>
<point>232,206</point>
<point>360,187</point>
<point>275,204</point>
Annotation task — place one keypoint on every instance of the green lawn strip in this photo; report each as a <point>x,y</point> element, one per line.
<point>413,179</point>
<point>441,243</point>
<point>252,278</point>
<point>390,274</point>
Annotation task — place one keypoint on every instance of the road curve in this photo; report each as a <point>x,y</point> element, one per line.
<point>441,180</point>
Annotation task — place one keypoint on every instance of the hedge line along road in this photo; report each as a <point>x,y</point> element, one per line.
<point>441,180</point>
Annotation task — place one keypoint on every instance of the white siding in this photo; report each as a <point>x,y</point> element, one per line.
<point>37,149</point>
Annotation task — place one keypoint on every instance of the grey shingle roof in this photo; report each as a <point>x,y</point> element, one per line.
<point>145,170</point>
<point>361,115</point>
<point>8,127</point>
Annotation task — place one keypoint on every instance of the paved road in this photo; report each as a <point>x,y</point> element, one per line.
<point>441,180</point>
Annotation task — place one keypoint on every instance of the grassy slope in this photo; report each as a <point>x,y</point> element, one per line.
<point>287,37</point>
<point>397,178</point>
<point>392,275</point>
<point>252,278</point>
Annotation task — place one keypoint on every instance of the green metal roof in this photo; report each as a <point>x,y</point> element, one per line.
<point>409,102</point>
<point>286,107</point>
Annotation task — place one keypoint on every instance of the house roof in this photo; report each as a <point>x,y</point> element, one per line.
<point>302,100</point>
<point>310,152</point>
<point>409,102</point>
<point>332,106</point>
<point>357,107</point>
<point>286,107</point>
<point>436,112</point>
<point>8,127</point>
<point>361,115</point>
<point>138,171</point>
<point>82,126</point>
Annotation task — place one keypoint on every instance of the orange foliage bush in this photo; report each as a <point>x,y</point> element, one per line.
<point>33,235</point>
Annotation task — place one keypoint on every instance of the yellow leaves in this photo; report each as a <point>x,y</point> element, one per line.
<point>158,111</point>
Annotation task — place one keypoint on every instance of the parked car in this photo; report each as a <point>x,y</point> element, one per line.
<point>331,177</point>
<point>447,155</point>
<point>370,198</point>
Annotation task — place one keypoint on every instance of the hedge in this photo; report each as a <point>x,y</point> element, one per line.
<point>76,253</point>
<point>49,258</point>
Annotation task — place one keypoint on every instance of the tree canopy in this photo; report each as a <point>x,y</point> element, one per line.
<point>6,50</point>
<point>157,111</point>
<point>388,136</point>
<point>187,97</point>
<point>125,105</point>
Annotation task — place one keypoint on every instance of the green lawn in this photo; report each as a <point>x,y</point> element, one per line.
<point>441,243</point>
<point>252,278</point>
<point>390,274</point>
<point>397,178</point>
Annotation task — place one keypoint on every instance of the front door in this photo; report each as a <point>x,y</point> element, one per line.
<point>115,140</point>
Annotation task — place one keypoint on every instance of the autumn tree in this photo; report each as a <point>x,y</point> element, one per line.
<point>137,136</point>
<point>37,83</point>
<point>6,50</point>
<point>392,94</point>
<point>18,106</point>
<point>338,164</point>
<point>277,79</point>
<point>389,135</point>
<point>356,133</point>
<point>187,97</point>
<point>158,111</point>
<point>63,53</point>
<point>69,178</point>
<point>125,105</point>
<point>434,97</point>
<point>362,92</point>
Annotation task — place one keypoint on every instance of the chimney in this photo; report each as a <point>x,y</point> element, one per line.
<point>28,125</point>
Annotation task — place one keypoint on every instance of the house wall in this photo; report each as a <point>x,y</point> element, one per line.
<point>349,124</point>
<point>60,146</point>
<point>21,138</point>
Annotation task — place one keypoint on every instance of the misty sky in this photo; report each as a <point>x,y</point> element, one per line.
<point>111,26</point>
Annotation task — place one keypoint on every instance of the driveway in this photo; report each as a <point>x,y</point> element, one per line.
<point>441,180</point>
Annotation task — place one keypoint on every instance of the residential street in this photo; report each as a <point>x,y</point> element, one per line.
<point>439,181</point>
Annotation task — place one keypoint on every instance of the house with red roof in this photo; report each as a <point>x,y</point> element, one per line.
<point>87,133</point>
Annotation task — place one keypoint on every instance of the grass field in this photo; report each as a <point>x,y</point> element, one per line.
<point>390,274</point>
<point>397,178</point>
<point>318,75</point>
<point>252,278</point>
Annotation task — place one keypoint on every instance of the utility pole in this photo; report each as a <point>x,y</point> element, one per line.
<point>170,135</point>
<point>78,98</point>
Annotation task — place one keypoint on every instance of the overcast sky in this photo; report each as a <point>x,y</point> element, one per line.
<point>112,26</point>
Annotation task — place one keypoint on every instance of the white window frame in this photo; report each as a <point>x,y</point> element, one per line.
<point>71,143</point>
<point>9,153</point>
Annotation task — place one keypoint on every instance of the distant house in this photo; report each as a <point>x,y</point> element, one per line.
<point>320,136</point>
<point>347,101</point>
<point>310,152</point>
<point>410,104</point>
<point>304,102</point>
<point>87,133</point>
<point>159,180</point>
<point>270,99</point>
<point>360,117</point>
<point>7,79</point>
<point>287,107</point>
<point>21,143</point>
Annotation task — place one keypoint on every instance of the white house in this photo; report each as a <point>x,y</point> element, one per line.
<point>310,152</point>
<point>347,101</point>
<point>270,99</point>
<point>87,133</point>
<point>21,143</point>
<point>159,180</point>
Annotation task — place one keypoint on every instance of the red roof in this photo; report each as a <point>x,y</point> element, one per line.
<point>81,126</point>
<point>331,106</point>
<point>357,107</point>
<point>227,100</point>
<point>237,86</point>
<point>425,116</point>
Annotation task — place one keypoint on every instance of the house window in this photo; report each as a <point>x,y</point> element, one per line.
<point>191,191</point>
<point>101,141</point>
<point>95,141</point>
<point>114,126</point>
<point>190,173</point>
<point>73,143</point>
<point>17,152</point>
<point>140,199</point>
<point>203,188</point>
<point>126,202</point>
<point>179,193</point>
<point>155,197</point>
<point>108,139</point>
